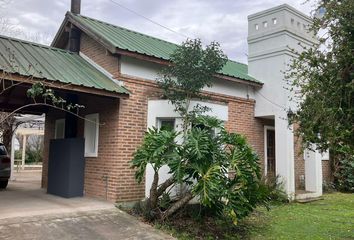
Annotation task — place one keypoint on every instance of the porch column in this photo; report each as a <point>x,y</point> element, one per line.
<point>284,154</point>
<point>12,156</point>
<point>24,151</point>
<point>313,172</point>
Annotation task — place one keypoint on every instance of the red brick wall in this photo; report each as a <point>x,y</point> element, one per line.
<point>98,54</point>
<point>96,169</point>
<point>326,171</point>
<point>299,163</point>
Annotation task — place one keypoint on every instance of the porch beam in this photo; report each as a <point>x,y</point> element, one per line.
<point>62,86</point>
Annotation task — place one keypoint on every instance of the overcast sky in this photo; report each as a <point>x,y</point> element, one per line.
<point>224,21</point>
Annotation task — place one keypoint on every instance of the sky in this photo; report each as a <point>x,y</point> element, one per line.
<point>224,21</point>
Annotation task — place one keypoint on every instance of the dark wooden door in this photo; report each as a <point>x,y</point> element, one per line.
<point>270,153</point>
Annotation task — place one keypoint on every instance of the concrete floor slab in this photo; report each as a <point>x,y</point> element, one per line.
<point>28,213</point>
<point>24,198</point>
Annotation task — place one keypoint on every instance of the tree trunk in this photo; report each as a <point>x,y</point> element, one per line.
<point>153,191</point>
<point>175,207</point>
<point>164,186</point>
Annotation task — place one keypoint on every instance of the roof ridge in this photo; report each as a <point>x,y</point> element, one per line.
<point>142,34</point>
<point>127,29</point>
<point>34,44</point>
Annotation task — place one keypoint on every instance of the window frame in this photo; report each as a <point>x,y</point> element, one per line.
<point>92,117</point>
<point>159,121</point>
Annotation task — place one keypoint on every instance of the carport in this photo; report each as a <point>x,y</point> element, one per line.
<point>24,197</point>
<point>71,78</point>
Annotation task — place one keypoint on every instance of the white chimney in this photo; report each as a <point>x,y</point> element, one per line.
<point>271,36</point>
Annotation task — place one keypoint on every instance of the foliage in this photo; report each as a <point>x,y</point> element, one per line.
<point>273,188</point>
<point>345,175</point>
<point>192,69</point>
<point>34,149</point>
<point>329,218</point>
<point>18,154</point>
<point>40,91</point>
<point>322,80</point>
<point>7,126</point>
<point>201,163</point>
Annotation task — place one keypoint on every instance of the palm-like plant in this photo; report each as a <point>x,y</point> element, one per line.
<point>202,163</point>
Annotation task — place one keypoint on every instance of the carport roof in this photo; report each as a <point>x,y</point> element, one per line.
<point>53,64</point>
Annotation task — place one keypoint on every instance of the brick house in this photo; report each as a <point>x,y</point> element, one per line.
<point>250,100</point>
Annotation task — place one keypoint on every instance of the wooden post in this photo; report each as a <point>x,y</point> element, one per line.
<point>12,156</point>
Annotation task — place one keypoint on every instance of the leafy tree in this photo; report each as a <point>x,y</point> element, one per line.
<point>200,163</point>
<point>192,69</point>
<point>322,78</point>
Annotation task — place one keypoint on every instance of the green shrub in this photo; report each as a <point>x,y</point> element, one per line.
<point>18,154</point>
<point>344,176</point>
<point>201,163</point>
<point>272,188</point>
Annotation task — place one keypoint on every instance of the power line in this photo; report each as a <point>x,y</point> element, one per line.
<point>148,19</point>
<point>275,104</point>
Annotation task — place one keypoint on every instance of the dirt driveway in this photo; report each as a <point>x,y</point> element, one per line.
<point>27,212</point>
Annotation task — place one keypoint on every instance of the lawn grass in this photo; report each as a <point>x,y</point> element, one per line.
<point>331,218</point>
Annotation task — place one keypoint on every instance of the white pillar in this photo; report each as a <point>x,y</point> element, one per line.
<point>12,156</point>
<point>313,172</point>
<point>24,151</point>
<point>284,154</point>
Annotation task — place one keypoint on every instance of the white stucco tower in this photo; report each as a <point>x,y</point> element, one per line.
<point>271,36</point>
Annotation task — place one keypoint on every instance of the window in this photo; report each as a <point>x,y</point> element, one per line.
<point>91,135</point>
<point>59,128</point>
<point>265,24</point>
<point>256,26</point>
<point>274,21</point>
<point>166,124</point>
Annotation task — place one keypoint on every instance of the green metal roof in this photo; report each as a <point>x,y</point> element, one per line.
<point>132,41</point>
<point>40,61</point>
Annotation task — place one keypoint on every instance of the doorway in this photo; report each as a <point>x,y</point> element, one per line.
<point>270,160</point>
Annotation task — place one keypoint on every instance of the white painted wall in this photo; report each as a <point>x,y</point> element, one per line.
<point>164,109</point>
<point>147,70</point>
<point>313,172</point>
<point>139,68</point>
<point>279,30</point>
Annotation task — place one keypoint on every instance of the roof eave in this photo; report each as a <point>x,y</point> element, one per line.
<point>60,32</point>
<point>109,46</point>
<point>65,86</point>
<point>240,80</point>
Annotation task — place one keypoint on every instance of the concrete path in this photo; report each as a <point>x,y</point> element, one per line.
<point>89,225</point>
<point>24,197</point>
<point>27,212</point>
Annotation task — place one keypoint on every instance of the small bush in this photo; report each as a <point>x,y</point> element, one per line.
<point>272,187</point>
<point>344,177</point>
<point>328,187</point>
